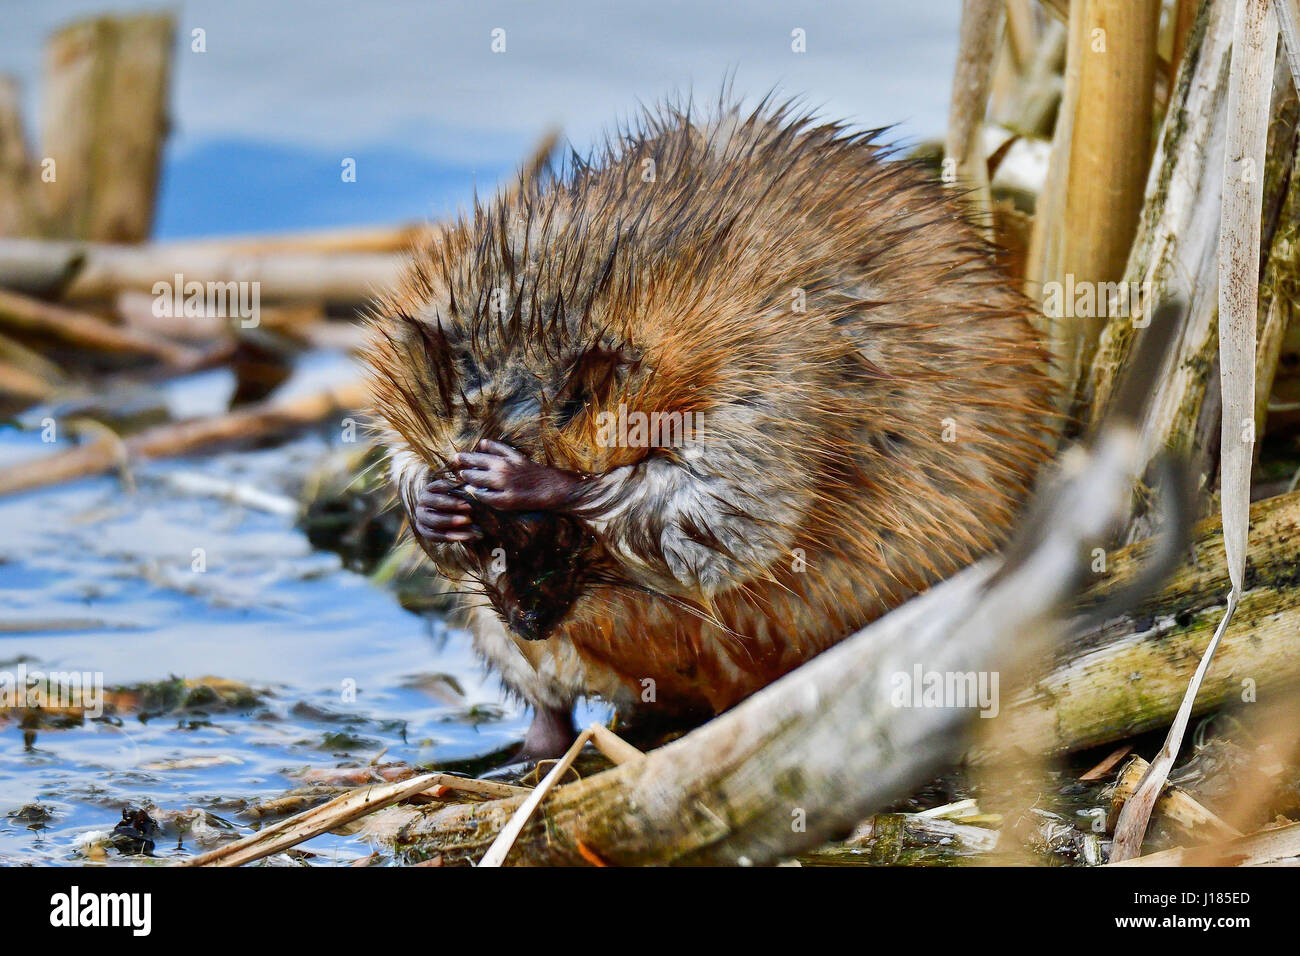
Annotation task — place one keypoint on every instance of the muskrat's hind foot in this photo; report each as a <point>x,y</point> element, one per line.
<point>550,735</point>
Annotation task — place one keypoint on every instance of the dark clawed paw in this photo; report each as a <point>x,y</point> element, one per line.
<point>441,515</point>
<point>503,478</point>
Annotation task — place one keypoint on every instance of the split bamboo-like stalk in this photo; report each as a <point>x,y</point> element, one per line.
<point>105,118</point>
<point>1106,157</point>
<point>1288,21</point>
<point>1255,43</point>
<point>181,438</point>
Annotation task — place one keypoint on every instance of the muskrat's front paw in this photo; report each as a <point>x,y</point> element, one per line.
<point>440,515</point>
<point>502,477</point>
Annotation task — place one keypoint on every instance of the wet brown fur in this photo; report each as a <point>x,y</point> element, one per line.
<point>679,294</point>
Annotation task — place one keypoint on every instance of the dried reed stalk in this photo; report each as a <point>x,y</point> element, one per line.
<point>1108,157</point>
<point>981,23</point>
<point>333,814</point>
<point>1254,47</point>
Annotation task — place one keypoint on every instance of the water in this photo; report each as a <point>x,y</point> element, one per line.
<point>101,579</point>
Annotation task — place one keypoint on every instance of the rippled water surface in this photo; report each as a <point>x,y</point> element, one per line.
<point>96,577</point>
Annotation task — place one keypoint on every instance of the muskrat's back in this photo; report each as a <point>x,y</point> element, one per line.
<point>862,400</point>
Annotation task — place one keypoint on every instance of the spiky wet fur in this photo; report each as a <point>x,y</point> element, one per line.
<point>850,454</point>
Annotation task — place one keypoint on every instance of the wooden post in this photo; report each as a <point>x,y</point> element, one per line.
<point>105,118</point>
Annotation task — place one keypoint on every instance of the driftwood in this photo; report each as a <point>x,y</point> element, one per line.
<point>181,438</point>
<point>29,315</point>
<point>1174,805</point>
<point>105,118</point>
<point>83,270</point>
<point>1128,675</point>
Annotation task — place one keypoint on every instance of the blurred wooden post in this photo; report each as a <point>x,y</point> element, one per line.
<point>16,189</point>
<point>105,118</point>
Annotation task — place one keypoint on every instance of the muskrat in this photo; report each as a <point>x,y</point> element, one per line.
<point>680,416</point>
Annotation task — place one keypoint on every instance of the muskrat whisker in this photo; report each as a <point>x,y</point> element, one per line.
<point>674,601</point>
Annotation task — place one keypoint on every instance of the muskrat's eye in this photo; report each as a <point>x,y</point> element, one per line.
<point>568,409</point>
<point>471,374</point>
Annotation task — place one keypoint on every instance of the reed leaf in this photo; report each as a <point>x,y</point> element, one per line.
<point>1254,45</point>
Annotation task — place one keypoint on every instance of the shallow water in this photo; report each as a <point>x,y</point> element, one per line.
<point>98,578</point>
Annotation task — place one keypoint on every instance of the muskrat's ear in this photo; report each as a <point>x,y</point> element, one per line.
<point>594,376</point>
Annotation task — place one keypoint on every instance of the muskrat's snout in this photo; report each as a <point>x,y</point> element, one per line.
<point>533,620</point>
<point>535,568</point>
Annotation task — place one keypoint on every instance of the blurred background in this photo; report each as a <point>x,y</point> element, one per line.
<point>413,91</point>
